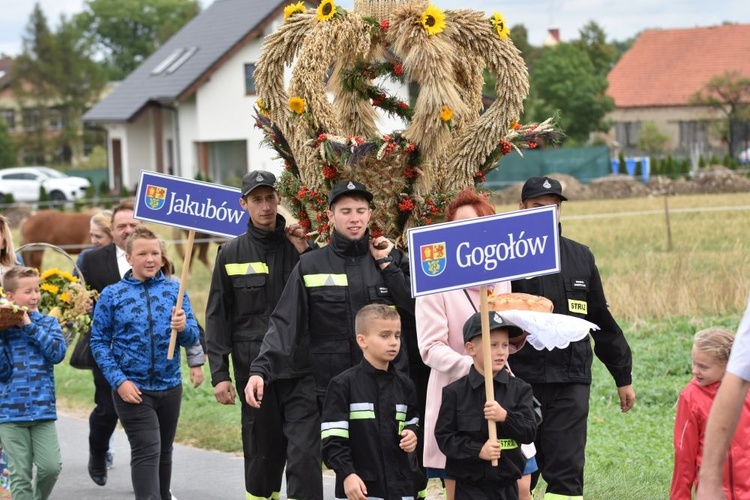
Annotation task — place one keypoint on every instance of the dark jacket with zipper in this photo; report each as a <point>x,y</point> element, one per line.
<point>576,291</point>
<point>462,430</point>
<point>248,278</point>
<point>317,308</point>
<point>364,413</point>
<point>131,331</point>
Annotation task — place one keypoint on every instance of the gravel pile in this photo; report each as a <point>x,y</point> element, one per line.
<point>714,179</point>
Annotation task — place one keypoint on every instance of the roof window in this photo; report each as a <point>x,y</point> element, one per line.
<point>159,69</point>
<point>182,60</point>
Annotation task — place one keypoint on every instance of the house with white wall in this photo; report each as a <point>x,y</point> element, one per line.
<point>189,108</point>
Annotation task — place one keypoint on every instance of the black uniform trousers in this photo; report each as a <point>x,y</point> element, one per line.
<point>102,421</point>
<point>486,490</point>
<point>561,437</point>
<point>285,430</point>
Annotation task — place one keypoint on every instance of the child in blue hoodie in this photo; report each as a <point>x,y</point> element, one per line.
<point>27,390</point>
<point>130,340</point>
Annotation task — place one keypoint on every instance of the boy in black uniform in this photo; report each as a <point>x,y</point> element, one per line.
<point>249,275</point>
<point>370,422</point>
<point>561,378</point>
<point>462,426</point>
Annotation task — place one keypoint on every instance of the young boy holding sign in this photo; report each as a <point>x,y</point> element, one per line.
<point>462,429</point>
<point>129,340</point>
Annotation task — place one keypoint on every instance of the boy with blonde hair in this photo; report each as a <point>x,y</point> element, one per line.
<point>370,423</point>
<point>27,390</point>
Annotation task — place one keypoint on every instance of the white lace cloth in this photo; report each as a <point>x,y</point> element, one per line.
<point>549,330</point>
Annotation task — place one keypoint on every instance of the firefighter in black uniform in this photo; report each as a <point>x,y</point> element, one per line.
<point>370,422</point>
<point>561,378</point>
<point>248,278</point>
<point>316,311</point>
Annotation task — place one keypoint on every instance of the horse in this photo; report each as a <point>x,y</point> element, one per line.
<point>69,230</point>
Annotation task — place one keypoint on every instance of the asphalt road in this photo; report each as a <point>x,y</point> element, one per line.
<point>196,475</point>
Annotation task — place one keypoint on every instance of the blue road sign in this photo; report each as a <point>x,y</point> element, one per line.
<point>188,204</point>
<point>484,250</point>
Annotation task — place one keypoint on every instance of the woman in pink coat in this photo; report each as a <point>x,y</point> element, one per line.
<point>440,321</point>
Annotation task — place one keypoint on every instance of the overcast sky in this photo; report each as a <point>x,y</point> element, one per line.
<point>621,19</point>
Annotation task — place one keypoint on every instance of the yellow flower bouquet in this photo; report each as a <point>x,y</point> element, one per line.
<point>66,298</point>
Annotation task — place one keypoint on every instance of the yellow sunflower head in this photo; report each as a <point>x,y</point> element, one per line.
<point>446,114</point>
<point>326,10</point>
<point>433,20</point>
<point>293,8</point>
<point>298,105</point>
<point>498,21</point>
<point>49,272</point>
<point>47,287</point>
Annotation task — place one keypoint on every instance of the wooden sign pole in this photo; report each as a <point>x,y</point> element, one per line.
<point>489,381</point>
<point>183,284</point>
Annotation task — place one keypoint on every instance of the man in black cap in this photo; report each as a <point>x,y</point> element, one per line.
<point>561,378</point>
<point>248,278</point>
<point>316,311</point>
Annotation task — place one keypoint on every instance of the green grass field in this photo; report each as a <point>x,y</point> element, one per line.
<point>660,297</point>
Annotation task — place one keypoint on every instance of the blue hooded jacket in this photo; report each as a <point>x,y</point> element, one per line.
<point>131,331</point>
<point>27,375</point>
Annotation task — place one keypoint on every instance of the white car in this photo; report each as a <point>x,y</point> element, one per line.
<point>24,183</point>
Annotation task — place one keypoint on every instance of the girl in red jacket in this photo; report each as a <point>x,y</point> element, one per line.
<point>710,354</point>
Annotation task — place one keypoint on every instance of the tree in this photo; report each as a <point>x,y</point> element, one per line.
<point>7,148</point>
<point>564,79</point>
<point>79,83</point>
<point>651,139</point>
<point>126,32</point>
<point>55,80</point>
<point>730,94</point>
<point>32,73</point>
<point>593,42</point>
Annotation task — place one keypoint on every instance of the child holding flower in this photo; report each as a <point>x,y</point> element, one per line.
<point>27,389</point>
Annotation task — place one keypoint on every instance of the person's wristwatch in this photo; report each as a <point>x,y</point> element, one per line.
<point>384,260</point>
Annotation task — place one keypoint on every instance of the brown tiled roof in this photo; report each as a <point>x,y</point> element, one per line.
<point>666,67</point>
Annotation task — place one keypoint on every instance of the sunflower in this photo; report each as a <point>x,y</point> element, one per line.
<point>326,10</point>
<point>298,105</point>
<point>433,20</point>
<point>446,114</point>
<point>48,287</point>
<point>498,21</point>
<point>293,8</point>
<point>49,272</point>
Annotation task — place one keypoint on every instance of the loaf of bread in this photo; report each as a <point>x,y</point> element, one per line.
<point>520,302</point>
